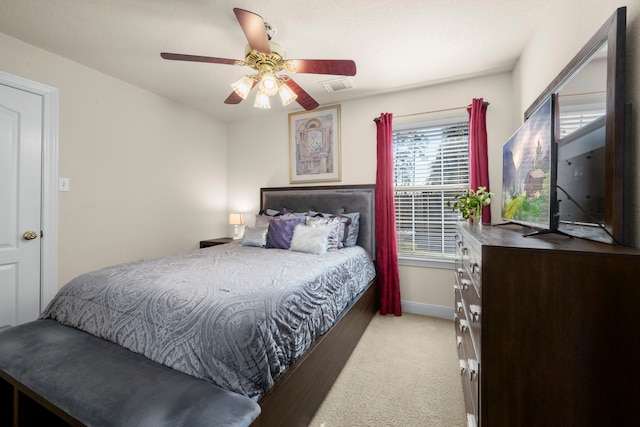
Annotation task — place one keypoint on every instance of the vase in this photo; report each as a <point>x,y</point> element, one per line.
<point>476,218</point>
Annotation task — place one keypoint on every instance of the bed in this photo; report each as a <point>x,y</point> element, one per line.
<point>274,378</point>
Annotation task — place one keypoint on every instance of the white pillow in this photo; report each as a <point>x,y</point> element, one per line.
<point>334,224</point>
<point>311,240</point>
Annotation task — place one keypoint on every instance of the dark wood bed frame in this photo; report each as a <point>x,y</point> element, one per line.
<point>295,397</point>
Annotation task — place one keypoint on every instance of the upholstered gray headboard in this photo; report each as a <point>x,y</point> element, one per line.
<point>329,199</point>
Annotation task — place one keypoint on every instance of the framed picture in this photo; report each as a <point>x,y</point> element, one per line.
<point>314,145</point>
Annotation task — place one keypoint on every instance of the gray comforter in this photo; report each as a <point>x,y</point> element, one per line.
<point>237,316</point>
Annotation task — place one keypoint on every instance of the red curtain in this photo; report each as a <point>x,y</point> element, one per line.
<point>387,249</point>
<point>478,156</point>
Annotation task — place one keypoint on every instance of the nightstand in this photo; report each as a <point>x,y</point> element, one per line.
<point>215,242</point>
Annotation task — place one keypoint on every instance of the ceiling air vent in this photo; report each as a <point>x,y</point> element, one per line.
<point>335,85</point>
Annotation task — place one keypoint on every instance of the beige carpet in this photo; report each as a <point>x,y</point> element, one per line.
<point>404,372</point>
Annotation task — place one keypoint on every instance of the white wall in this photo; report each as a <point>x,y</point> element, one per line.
<point>258,156</point>
<point>148,176</point>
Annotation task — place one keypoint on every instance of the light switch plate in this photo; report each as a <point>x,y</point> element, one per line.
<point>63,184</point>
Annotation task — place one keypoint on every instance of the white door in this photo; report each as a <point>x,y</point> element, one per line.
<point>21,116</point>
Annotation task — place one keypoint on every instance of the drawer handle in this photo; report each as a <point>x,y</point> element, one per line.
<point>474,266</point>
<point>465,284</point>
<point>475,312</point>
<point>460,272</point>
<point>459,307</point>
<point>456,288</point>
<point>463,325</point>
<point>463,367</point>
<point>473,368</point>
<point>459,341</point>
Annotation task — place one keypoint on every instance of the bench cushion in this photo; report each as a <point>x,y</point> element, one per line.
<point>103,384</point>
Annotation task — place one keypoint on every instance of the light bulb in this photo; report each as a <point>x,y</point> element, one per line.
<point>268,84</point>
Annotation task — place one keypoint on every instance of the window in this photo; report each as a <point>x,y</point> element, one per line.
<point>431,166</point>
<point>571,121</point>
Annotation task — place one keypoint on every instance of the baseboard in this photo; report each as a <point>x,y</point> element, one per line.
<point>427,310</point>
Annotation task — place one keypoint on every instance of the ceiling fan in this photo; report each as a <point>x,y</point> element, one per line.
<point>267,59</point>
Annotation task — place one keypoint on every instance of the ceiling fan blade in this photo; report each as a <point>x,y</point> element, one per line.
<point>196,58</point>
<point>254,30</point>
<point>304,99</point>
<point>340,67</point>
<point>234,98</point>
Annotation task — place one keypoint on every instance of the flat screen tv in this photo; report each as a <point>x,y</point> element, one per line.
<point>529,172</point>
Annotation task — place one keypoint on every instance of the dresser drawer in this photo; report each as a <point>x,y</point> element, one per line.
<point>469,259</point>
<point>472,366</point>
<point>473,313</point>
<point>469,372</point>
<point>468,386</point>
<point>467,301</point>
<point>473,263</point>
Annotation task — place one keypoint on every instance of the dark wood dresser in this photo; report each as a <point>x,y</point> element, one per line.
<point>547,329</point>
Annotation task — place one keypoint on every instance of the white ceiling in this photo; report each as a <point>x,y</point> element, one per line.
<point>396,44</point>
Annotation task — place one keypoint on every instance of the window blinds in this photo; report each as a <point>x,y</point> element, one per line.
<point>431,166</point>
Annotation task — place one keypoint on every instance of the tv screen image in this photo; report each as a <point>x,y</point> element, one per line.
<point>528,175</point>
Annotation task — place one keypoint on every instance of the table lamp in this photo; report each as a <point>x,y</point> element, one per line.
<point>235,219</point>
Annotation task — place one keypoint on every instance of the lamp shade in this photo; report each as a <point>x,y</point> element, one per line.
<point>235,219</point>
<point>243,86</point>
<point>287,95</point>
<point>262,100</point>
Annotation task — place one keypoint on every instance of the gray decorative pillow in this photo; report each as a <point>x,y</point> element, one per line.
<point>323,214</point>
<point>311,240</point>
<point>254,236</point>
<point>353,230</point>
<point>263,219</point>
<point>345,223</point>
<point>343,231</point>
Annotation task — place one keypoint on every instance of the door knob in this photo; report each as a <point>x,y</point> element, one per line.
<point>29,235</point>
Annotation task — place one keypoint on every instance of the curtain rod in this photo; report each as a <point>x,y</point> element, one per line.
<point>600,92</point>
<point>484,104</point>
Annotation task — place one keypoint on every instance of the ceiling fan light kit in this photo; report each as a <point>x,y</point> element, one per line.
<point>268,59</point>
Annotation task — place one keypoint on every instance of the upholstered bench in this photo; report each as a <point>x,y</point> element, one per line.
<point>85,380</point>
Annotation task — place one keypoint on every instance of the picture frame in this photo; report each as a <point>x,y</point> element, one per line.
<point>314,145</point>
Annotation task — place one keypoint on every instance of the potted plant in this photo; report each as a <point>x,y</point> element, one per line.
<point>470,203</point>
